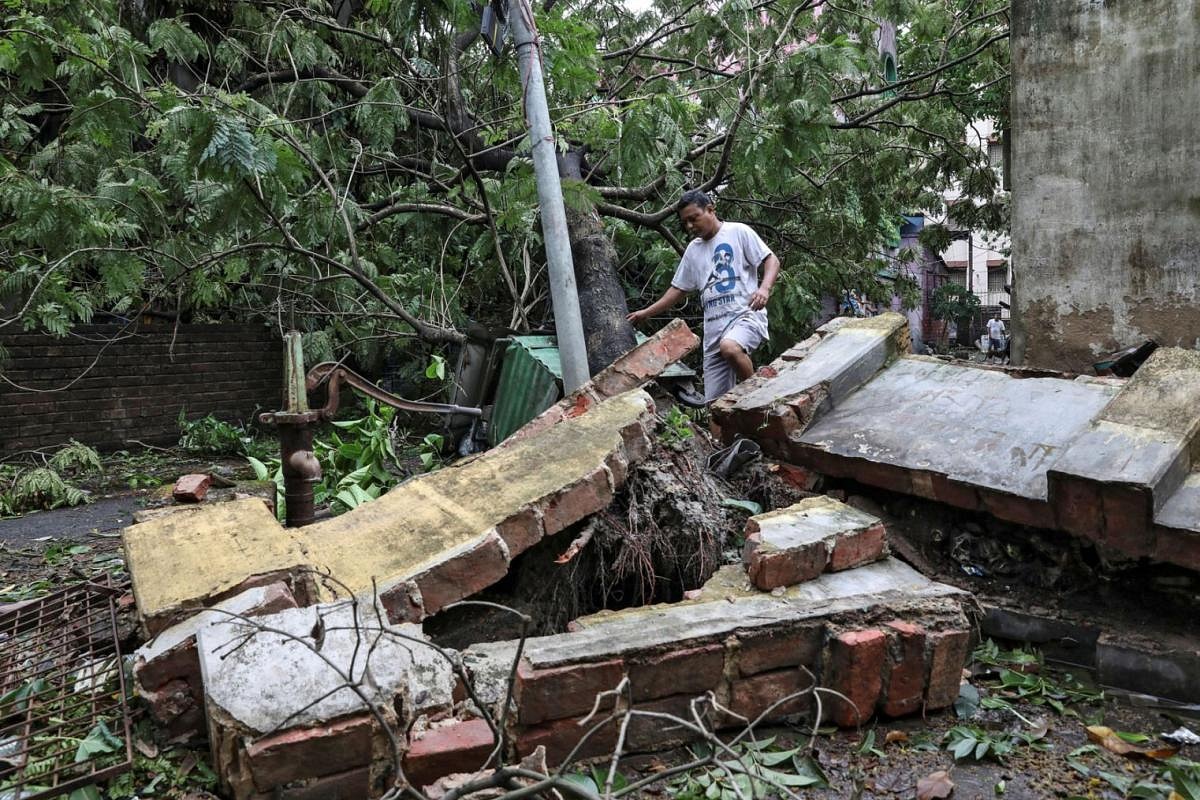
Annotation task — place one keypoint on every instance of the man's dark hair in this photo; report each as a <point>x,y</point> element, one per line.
<point>693,197</point>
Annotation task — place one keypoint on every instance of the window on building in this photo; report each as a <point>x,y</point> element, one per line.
<point>995,150</point>
<point>958,276</point>
<point>997,277</point>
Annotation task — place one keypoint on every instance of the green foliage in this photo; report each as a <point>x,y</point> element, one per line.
<point>952,302</point>
<point>968,742</point>
<point>273,161</point>
<point>752,769</point>
<point>76,458</point>
<point>40,488</point>
<point>209,436</point>
<point>676,427</point>
<point>1020,678</point>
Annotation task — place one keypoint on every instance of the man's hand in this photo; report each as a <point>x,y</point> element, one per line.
<point>637,316</point>
<point>759,299</point>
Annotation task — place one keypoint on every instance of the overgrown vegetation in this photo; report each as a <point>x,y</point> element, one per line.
<point>50,484</point>
<point>210,436</point>
<point>362,176</point>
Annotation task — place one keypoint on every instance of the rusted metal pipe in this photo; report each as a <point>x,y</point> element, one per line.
<point>297,422</point>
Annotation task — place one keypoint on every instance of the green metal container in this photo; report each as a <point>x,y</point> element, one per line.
<point>531,382</point>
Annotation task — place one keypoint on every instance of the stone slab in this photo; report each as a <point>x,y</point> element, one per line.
<point>181,563</point>
<point>264,681</point>
<point>1181,509</point>
<point>980,427</point>
<point>846,358</point>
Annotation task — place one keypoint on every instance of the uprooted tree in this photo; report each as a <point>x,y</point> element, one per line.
<point>359,168</point>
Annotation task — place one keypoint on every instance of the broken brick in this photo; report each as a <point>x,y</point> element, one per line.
<point>582,499</point>
<point>772,568</point>
<point>191,488</point>
<point>462,746</point>
<point>779,649</point>
<point>856,662</point>
<point>649,733</point>
<point>521,531</point>
<point>561,737</point>
<point>560,692</point>
<point>463,573</point>
<point>856,548</point>
<point>761,694</point>
<point>301,753</point>
<point>906,669</point>
<point>695,670</point>
<point>354,784</point>
<point>947,655</point>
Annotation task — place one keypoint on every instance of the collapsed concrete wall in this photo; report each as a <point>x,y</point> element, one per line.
<point>1109,460</point>
<point>1105,170</point>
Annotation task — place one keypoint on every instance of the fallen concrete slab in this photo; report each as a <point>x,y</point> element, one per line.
<point>1105,459</point>
<point>432,540</point>
<point>796,544</point>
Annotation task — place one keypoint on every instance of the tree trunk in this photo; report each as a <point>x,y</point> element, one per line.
<point>602,304</point>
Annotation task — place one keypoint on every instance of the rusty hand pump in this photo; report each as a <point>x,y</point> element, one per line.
<point>297,422</point>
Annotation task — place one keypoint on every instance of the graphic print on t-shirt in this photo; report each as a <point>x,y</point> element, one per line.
<point>723,277</point>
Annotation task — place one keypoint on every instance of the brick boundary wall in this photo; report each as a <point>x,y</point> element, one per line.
<point>142,378</point>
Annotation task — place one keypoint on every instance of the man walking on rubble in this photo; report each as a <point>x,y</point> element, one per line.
<point>734,271</point>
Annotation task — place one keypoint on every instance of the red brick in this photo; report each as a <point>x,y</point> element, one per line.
<point>170,701</point>
<point>656,733</point>
<point>521,531</point>
<point>1021,510</point>
<point>402,602</point>
<point>561,736</point>
<point>582,499</point>
<point>885,476</point>
<point>457,747</point>
<point>771,568</point>
<point>906,669</point>
<point>353,784</point>
<point>463,574</point>
<point>796,477</point>
<point>302,753</point>
<point>947,655</point>
<point>856,664</point>
<point>1077,505</point>
<point>858,548</point>
<point>779,649</point>
<point>1177,547</point>
<point>752,697</point>
<point>1127,527</point>
<point>191,488</point>
<point>695,671</point>
<point>560,692</point>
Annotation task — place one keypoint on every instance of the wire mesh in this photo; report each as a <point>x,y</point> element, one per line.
<point>64,719</point>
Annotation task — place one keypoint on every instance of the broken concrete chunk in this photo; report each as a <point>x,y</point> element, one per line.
<point>276,712</point>
<point>191,488</point>
<point>169,663</point>
<point>412,540</point>
<point>816,535</point>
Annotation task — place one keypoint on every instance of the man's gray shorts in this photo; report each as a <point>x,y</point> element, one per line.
<point>719,376</point>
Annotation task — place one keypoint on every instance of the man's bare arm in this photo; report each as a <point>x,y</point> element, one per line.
<point>670,298</point>
<point>763,293</point>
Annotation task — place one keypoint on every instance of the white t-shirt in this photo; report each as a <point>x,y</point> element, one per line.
<point>995,329</point>
<point>724,269</point>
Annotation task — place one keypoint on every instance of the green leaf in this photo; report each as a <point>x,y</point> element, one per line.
<point>98,742</point>
<point>749,506</point>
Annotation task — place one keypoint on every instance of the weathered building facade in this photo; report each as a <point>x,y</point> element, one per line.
<point>1106,177</point>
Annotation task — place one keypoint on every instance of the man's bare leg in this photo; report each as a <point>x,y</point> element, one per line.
<point>737,358</point>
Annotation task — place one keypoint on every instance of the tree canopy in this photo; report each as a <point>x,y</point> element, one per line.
<point>359,169</point>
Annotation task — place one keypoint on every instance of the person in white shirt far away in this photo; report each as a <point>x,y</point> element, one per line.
<point>734,272</point>
<point>996,332</point>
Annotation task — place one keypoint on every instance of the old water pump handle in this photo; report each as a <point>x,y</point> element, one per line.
<point>335,374</point>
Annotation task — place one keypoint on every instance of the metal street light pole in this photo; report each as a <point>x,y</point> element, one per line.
<point>567,322</point>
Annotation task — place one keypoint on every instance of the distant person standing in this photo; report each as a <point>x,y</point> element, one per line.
<point>734,271</point>
<point>996,337</point>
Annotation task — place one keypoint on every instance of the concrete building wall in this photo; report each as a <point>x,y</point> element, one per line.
<point>1106,177</point>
